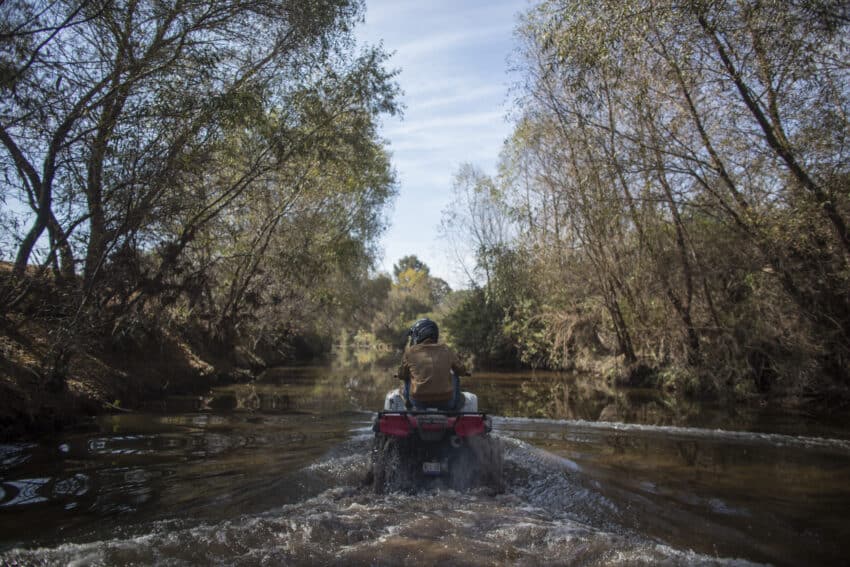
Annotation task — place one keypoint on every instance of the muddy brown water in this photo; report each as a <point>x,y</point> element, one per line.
<point>271,473</point>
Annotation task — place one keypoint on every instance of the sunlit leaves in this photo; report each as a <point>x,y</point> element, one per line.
<point>667,153</point>
<point>217,158</point>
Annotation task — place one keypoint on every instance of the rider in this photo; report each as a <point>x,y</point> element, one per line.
<point>431,371</point>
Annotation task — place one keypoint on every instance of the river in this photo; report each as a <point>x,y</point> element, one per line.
<point>272,473</point>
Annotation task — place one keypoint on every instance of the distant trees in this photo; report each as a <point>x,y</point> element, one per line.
<point>678,183</point>
<point>475,223</point>
<point>220,157</point>
<point>412,294</point>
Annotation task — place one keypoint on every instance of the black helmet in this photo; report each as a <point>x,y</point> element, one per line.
<point>424,329</point>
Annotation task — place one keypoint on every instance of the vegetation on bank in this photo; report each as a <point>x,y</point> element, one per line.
<point>672,207</point>
<point>207,171</point>
<point>676,193</point>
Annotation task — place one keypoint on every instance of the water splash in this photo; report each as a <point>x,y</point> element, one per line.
<point>352,527</point>
<point>546,516</point>
<point>574,428</point>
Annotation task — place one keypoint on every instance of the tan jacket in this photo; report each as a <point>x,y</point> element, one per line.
<point>428,366</point>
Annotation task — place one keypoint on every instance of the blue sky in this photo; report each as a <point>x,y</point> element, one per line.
<point>453,58</point>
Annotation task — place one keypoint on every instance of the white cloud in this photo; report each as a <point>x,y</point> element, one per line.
<point>462,96</point>
<point>448,41</point>
<point>447,121</point>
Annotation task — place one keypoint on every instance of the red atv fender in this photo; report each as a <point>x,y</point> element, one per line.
<point>431,424</point>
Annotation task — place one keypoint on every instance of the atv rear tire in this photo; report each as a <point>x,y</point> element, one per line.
<point>391,465</point>
<point>487,451</point>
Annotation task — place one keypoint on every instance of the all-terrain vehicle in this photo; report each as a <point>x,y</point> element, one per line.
<point>416,449</point>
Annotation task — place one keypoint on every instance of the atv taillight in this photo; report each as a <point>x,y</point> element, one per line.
<point>467,425</point>
<point>397,425</point>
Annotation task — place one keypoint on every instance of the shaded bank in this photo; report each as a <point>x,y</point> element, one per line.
<point>37,396</point>
<point>55,374</point>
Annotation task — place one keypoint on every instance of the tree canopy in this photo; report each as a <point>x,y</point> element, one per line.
<point>217,158</point>
<point>677,188</point>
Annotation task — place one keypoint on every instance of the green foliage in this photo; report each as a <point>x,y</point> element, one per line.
<point>412,264</point>
<point>476,327</point>
<point>677,185</point>
<point>214,169</point>
<point>526,326</point>
<point>413,294</point>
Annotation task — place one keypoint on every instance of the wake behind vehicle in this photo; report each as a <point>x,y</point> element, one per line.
<point>421,448</point>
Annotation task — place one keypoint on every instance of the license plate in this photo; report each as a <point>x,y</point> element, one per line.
<point>432,468</point>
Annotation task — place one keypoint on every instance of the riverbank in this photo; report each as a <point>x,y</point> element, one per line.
<point>109,377</point>
<point>40,395</point>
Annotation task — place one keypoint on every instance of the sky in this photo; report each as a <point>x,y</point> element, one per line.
<point>453,58</point>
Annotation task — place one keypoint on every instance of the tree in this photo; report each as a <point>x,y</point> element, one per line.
<point>475,223</point>
<point>415,293</point>
<point>410,263</point>
<point>212,165</point>
<point>679,169</point>
<point>160,88</point>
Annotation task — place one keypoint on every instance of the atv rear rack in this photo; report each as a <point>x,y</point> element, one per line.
<point>404,423</point>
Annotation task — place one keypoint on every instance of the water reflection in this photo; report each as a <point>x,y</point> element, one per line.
<point>271,471</point>
<point>735,493</point>
<point>143,467</point>
<point>553,512</point>
<point>584,397</point>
